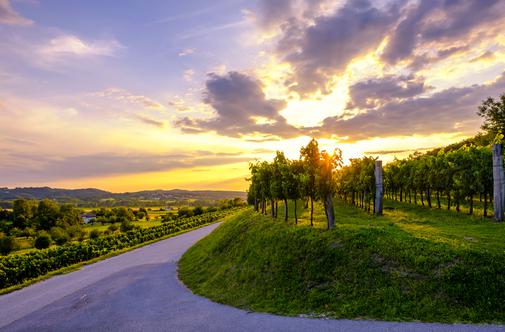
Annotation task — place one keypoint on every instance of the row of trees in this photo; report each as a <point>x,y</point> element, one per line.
<point>312,176</point>
<point>459,175</point>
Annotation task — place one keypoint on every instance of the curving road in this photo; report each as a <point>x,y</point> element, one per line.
<point>139,291</point>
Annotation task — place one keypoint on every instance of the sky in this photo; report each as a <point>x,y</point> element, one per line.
<point>163,94</point>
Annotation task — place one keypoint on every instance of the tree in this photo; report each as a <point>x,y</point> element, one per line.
<point>493,113</point>
<point>48,212</point>
<point>326,185</point>
<point>42,241</point>
<point>310,156</point>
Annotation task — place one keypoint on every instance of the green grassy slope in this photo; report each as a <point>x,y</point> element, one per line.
<point>411,264</point>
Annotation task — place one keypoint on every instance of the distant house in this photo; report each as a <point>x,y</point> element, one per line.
<point>87,217</point>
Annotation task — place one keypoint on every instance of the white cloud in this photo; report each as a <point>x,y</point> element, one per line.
<point>66,45</point>
<point>186,52</point>
<point>188,75</point>
<point>126,96</point>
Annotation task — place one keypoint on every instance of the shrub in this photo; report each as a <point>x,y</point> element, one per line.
<point>113,228</point>
<point>198,211</point>
<point>126,226</point>
<point>94,234</point>
<point>59,235</point>
<point>42,241</point>
<point>7,244</point>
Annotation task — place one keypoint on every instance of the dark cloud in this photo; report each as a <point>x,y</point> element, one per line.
<point>272,12</point>
<point>320,50</point>
<point>239,103</point>
<point>149,121</point>
<point>451,110</point>
<point>488,55</point>
<point>9,16</point>
<point>375,92</point>
<point>21,167</point>
<point>441,21</point>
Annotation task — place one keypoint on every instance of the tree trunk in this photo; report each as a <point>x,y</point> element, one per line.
<point>485,205</point>
<point>311,211</point>
<point>438,199</point>
<point>415,197</point>
<point>379,193</point>
<point>272,207</point>
<point>330,213</point>
<point>498,182</point>
<point>296,213</point>
<point>285,209</point>
<point>449,200</point>
<point>422,198</point>
<point>428,197</point>
<point>471,205</point>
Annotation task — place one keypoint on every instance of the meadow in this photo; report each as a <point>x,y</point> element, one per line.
<point>411,264</point>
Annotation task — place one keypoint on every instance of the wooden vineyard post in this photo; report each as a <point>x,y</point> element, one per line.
<point>498,182</point>
<point>379,193</point>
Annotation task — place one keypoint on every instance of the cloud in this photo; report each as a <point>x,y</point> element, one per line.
<point>486,56</point>
<point>149,121</point>
<point>450,110</point>
<point>188,75</point>
<point>374,92</point>
<point>43,168</point>
<point>9,16</point>
<point>439,21</point>
<point>272,12</point>
<point>69,45</point>
<point>186,52</point>
<point>239,102</point>
<point>320,50</point>
<point>127,97</point>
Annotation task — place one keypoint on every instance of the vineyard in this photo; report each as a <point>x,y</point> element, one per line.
<point>443,179</point>
<point>16,269</point>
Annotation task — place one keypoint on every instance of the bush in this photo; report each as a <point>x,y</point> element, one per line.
<point>126,226</point>
<point>112,228</point>
<point>94,234</point>
<point>7,244</point>
<point>184,212</point>
<point>198,211</point>
<point>59,235</point>
<point>42,241</point>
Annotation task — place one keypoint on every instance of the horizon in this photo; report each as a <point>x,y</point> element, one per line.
<point>183,95</point>
<point>115,192</point>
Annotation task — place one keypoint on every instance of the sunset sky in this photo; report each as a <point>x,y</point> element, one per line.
<point>130,95</point>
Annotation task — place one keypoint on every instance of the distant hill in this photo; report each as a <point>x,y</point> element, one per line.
<point>92,194</point>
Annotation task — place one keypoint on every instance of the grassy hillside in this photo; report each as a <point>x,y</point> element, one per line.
<point>411,264</point>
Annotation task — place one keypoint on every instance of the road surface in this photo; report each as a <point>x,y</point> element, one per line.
<point>139,291</point>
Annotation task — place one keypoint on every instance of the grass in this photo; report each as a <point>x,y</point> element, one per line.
<point>412,264</point>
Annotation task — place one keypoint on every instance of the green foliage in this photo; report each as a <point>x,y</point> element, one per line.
<point>7,244</point>
<point>43,240</point>
<point>460,175</point>
<point>15,269</point>
<point>410,264</point>
<point>59,235</point>
<point>184,212</point>
<point>493,112</point>
<point>126,226</point>
<point>94,234</point>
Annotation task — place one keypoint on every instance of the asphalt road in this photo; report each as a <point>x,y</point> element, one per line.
<point>139,291</point>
